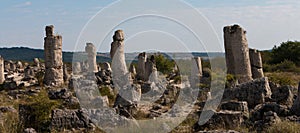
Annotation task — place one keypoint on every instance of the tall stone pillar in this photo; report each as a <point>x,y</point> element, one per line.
<point>196,72</point>
<point>128,94</point>
<point>237,53</point>
<point>119,68</point>
<point>2,77</point>
<point>256,64</point>
<point>91,51</point>
<point>142,58</point>
<point>53,58</point>
<point>150,68</point>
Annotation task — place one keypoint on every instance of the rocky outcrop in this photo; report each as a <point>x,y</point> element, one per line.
<point>68,119</point>
<point>53,58</point>
<point>222,119</point>
<point>254,92</point>
<point>283,95</point>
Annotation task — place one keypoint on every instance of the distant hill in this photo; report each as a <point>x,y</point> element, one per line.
<point>27,54</point>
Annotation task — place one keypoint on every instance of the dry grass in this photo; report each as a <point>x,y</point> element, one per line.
<point>293,77</point>
<point>284,127</point>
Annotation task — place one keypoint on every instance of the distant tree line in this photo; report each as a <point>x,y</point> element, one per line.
<point>284,58</point>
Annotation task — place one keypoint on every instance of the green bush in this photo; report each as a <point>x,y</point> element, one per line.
<point>285,66</point>
<point>289,50</point>
<point>41,107</point>
<point>164,64</point>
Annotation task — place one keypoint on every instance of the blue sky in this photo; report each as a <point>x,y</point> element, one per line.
<point>268,22</point>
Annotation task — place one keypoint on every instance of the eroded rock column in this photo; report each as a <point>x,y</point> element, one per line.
<point>142,58</point>
<point>296,106</point>
<point>119,68</point>
<point>2,78</point>
<point>91,51</point>
<point>196,72</point>
<point>256,64</point>
<point>237,53</point>
<point>150,68</point>
<point>53,58</point>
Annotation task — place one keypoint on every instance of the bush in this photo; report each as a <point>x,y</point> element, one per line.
<point>163,64</point>
<point>285,66</point>
<point>289,50</point>
<point>41,107</point>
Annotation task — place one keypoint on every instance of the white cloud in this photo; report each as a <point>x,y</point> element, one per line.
<point>25,4</point>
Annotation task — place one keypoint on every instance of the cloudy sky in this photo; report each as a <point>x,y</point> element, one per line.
<point>268,23</point>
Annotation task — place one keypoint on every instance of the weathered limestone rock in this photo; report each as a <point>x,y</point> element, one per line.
<point>36,62</point>
<point>76,68</point>
<point>256,64</point>
<point>19,65</point>
<point>296,106</point>
<point>255,92</point>
<point>29,73</point>
<point>128,94</point>
<point>132,69</point>
<point>283,95</point>
<point>150,68</point>
<point>29,130</point>
<point>68,119</point>
<point>236,106</point>
<point>119,69</point>
<point>2,78</point>
<point>196,72</point>
<point>106,66</point>
<point>142,58</point>
<point>91,51</point>
<point>66,73</point>
<point>223,119</point>
<point>53,58</point>
<point>237,53</point>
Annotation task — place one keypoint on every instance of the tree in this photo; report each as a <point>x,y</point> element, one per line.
<point>289,50</point>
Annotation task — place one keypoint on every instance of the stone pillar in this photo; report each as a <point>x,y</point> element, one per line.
<point>106,66</point>
<point>36,62</point>
<point>29,73</point>
<point>119,68</point>
<point>296,106</point>
<point>237,53</point>
<point>53,58</point>
<point>91,51</point>
<point>196,72</point>
<point>19,65</point>
<point>66,73</point>
<point>128,94</point>
<point>76,68</point>
<point>150,68</point>
<point>256,64</point>
<point>132,69</point>
<point>2,77</point>
<point>142,58</point>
